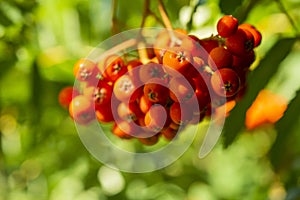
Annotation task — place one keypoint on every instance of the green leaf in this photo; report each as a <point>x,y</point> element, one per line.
<point>285,127</point>
<point>229,7</point>
<point>257,80</point>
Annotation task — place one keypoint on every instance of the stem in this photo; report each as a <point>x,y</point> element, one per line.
<point>284,10</point>
<point>117,48</point>
<point>164,15</point>
<point>114,18</point>
<point>155,17</point>
<point>167,23</point>
<point>145,12</point>
<point>143,54</point>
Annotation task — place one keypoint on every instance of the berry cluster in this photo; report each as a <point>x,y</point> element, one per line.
<point>184,80</point>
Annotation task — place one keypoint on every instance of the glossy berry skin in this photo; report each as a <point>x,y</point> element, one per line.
<point>256,34</point>
<point>177,60</point>
<point>165,40</point>
<point>240,43</point>
<point>180,113</point>
<point>201,92</point>
<point>125,88</point>
<point>81,109</point>
<point>144,104</point>
<point>156,90</point>
<point>225,82</point>
<point>101,94</point>
<point>104,113</point>
<point>150,70</point>
<point>114,68</point>
<point>181,90</point>
<point>156,118</point>
<point>129,112</point>
<point>194,70</point>
<point>207,45</point>
<point>244,61</point>
<point>169,133</point>
<point>220,57</point>
<point>132,65</point>
<point>86,70</point>
<point>66,95</point>
<point>191,44</point>
<point>227,26</point>
<point>122,130</point>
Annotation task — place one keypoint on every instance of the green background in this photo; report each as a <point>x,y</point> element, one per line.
<point>41,155</point>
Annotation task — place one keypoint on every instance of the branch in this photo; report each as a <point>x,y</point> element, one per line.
<point>124,45</point>
<point>145,12</point>
<point>164,15</point>
<point>114,18</point>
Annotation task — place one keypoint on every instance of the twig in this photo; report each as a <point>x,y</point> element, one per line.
<point>284,10</point>
<point>164,15</point>
<point>167,23</point>
<point>114,18</point>
<point>124,45</point>
<point>145,12</point>
<point>143,54</point>
<point>155,17</point>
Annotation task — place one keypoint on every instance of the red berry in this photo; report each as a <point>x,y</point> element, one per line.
<point>243,61</point>
<point>181,113</point>
<point>220,57</point>
<point>81,109</point>
<point>176,60</point>
<point>123,130</point>
<point>227,26</point>
<point>114,68</point>
<point>104,113</point>
<point>150,70</point>
<point>165,40</point>
<point>86,70</point>
<point>100,94</point>
<point>144,104</point>
<point>156,90</point>
<point>129,112</point>
<point>256,34</point>
<point>169,133</point>
<point>201,92</point>
<point>240,43</point>
<point>181,90</point>
<point>66,95</point>
<point>225,82</point>
<point>156,118</point>
<point>207,45</point>
<point>125,88</point>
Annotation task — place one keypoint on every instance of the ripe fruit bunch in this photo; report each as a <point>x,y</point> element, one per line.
<point>177,81</point>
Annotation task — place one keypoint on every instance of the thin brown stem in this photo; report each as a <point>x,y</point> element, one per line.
<point>142,51</point>
<point>124,45</point>
<point>145,12</point>
<point>164,15</point>
<point>114,18</point>
<point>155,17</point>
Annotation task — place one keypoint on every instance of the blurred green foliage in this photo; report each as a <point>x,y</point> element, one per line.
<point>41,155</point>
